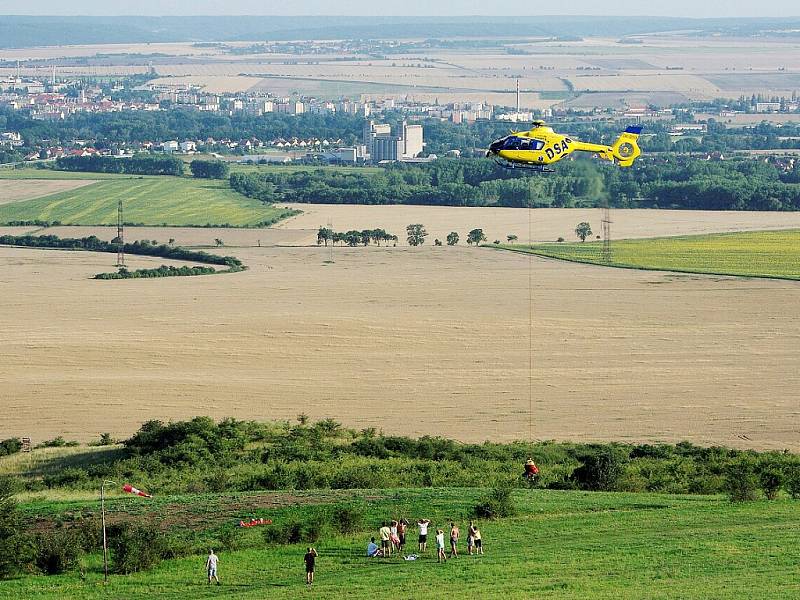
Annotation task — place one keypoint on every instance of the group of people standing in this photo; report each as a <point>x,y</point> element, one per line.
<point>393,539</point>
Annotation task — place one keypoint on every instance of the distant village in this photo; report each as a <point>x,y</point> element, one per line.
<point>53,100</point>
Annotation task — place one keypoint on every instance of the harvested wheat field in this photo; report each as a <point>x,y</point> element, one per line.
<point>415,341</point>
<point>547,224</point>
<point>497,223</point>
<point>194,236</point>
<point>14,190</point>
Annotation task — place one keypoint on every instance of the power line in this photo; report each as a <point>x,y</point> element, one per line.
<point>120,237</point>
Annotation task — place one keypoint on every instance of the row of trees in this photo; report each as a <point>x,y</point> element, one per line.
<point>162,271</point>
<point>671,182</point>
<point>141,247</point>
<point>142,164</point>
<point>209,169</point>
<point>326,235</point>
<point>415,236</point>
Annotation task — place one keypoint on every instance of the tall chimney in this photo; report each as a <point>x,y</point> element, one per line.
<point>517,96</point>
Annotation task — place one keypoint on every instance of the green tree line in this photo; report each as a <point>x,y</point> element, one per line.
<point>669,182</point>
<point>141,164</point>
<point>141,247</point>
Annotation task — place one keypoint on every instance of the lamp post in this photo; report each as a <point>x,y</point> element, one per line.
<point>103,518</point>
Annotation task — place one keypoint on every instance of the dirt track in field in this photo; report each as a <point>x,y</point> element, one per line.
<point>414,341</point>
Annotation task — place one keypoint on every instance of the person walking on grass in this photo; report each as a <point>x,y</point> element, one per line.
<point>423,524</point>
<point>386,537</point>
<point>211,566</point>
<point>470,538</point>
<point>311,560</point>
<point>454,533</point>
<point>402,525</point>
<point>440,556</point>
<point>395,539</point>
<point>478,541</point>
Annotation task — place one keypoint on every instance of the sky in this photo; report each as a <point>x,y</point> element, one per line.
<point>673,8</point>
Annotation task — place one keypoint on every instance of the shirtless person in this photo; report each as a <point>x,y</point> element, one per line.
<point>402,525</point>
<point>454,540</point>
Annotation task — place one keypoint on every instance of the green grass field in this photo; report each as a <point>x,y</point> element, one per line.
<point>561,545</point>
<point>31,173</point>
<point>773,254</point>
<point>147,201</point>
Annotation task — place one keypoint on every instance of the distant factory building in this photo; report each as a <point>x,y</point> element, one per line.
<point>381,145</point>
<point>387,147</point>
<point>412,134</point>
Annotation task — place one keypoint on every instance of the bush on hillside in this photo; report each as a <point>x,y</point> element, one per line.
<point>741,482</point>
<point>58,551</point>
<point>771,478</point>
<point>499,503</point>
<point>10,446</point>
<point>57,442</point>
<point>68,477</point>
<point>793,479</point>
<point>15,546</point>
<point>137,547</point>
<point>347,519</point>
<point>601,469</point>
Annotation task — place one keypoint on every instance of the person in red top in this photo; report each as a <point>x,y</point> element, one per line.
<point>531,470</point>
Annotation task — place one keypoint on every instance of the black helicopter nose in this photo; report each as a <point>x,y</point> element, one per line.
<point>494,147</point>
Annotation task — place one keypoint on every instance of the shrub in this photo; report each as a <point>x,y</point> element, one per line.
<point>347,519</point>
<point>10,446</point>
<point>14,545</point>
<point>793,480</point>
<point>497,504</point>
<point>57,442</point>
<point>89,533</point>
<point>307,530</point>
<point>288,532</point>
<point>771,479</point>
<point>71,476</point>
<point>600,470</point>
<point>57,551</point>
<point>741,483</point>
<point>136,547</point>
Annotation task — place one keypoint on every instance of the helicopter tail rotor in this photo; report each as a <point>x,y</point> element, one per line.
<point>625,150</point>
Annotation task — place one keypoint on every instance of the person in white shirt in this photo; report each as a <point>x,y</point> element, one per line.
<point>211,566</point>
<point>422,524</point>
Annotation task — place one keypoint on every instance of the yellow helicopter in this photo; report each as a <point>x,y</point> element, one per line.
<point>541,146</point>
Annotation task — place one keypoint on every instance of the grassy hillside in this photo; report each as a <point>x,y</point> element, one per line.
<point>31,173</point>
<point>147,201</point>
<point>752,254</point>
<point>560,545</point>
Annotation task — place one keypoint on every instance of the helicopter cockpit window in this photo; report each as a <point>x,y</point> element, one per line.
<point>517,143</point>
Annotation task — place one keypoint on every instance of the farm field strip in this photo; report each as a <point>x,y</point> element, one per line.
<point>150,201</point>
<point>25,189</point>
<point>752,254</point>
<point>546,224</point>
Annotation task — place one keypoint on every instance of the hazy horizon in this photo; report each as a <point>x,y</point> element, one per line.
<point>411,8</point>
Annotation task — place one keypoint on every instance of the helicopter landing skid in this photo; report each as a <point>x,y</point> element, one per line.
<point>524,167</point>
